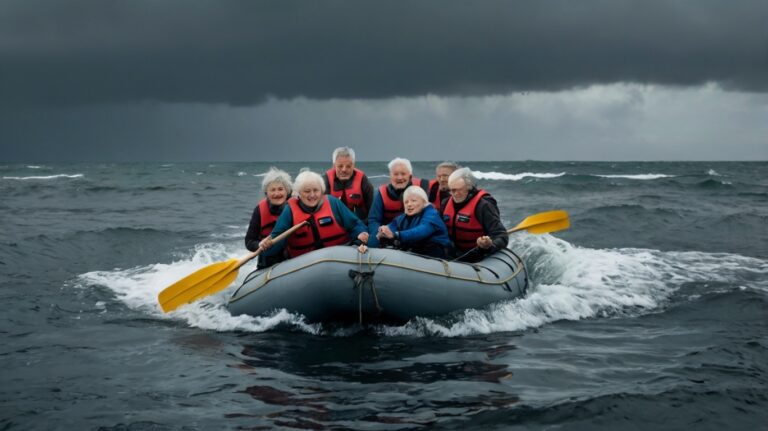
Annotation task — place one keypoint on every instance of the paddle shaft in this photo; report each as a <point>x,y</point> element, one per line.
<point>245,259</point>
<point>550,221</point>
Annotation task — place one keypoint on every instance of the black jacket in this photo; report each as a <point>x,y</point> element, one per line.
<point>487,213</point>
<point>253,236</point>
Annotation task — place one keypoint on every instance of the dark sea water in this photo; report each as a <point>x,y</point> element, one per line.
<point>650,313</point>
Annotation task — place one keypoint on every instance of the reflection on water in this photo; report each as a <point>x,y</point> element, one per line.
<point>372,383</point>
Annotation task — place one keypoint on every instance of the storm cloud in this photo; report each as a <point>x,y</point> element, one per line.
<point>246,52</point>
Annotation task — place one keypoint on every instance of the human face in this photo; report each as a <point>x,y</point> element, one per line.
<point>414,205</point>
<point>442,174</point>
<point>344,168</point>
<point>276,194</point>
<point>311,194</point>
<point>399,176</point>
<point>459,190</point>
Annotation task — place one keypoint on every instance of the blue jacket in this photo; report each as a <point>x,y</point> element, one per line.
<point>421,233</point>
<point>375,217</point>
<point>341,213</point>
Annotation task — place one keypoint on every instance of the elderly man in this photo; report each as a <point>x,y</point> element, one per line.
<point>438,188</point>
<point>472,218</point>
<point>388,200</point>
<point>349,184</point>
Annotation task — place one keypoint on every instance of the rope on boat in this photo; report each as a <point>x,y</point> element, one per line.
<point>362,279</point>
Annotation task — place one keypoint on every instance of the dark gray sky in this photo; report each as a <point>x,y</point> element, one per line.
<point>289,80</point>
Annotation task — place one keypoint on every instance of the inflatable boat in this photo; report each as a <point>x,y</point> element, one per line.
<point>339,284</point>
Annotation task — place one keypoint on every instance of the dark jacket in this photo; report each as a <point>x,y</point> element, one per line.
<point>424,233</point>
<point>487,213</point>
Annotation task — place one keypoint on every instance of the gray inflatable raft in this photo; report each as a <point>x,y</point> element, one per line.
<point>338,284</point>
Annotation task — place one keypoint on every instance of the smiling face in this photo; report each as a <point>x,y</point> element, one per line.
<point>442,174</point>
<point>276,193</point>
<point>399,176</point>
<point>459,190</point>
<point>414,205</point>
<point>311,194</point>
<point>344,168</point>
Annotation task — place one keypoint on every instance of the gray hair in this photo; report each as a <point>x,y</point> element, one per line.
<point>415,190</point>
<point>307,176</point>
<point>400,161</point>
<point>464,174</point>
<point>279,176</point>
<point>343,152</point>
<point>450,165</point>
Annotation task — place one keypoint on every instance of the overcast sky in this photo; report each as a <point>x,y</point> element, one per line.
<point>180,80</point>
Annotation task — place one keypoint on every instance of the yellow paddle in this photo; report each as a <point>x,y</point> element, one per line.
<point>546,222</point>
<point>209,280</point>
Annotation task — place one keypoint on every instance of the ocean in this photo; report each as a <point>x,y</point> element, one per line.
<point>649,313</point>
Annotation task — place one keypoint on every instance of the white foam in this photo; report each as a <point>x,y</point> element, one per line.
<point>571,283</point>
<point>576,283</point>
<point>46,177</point>
<point>638,176</point>
<point>34,167</point>
<point>514,177</point>
<point>138,288</point>
<point>713,173</point>
<point>241,174</point>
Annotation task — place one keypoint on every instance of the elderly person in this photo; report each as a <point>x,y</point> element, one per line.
<point>438,188</point>
<point>349,184</point>
<point>276,186</point>
<point>420,229</point>
<point>472,217</point>
<point>387,202</point>
<point>330,221</point>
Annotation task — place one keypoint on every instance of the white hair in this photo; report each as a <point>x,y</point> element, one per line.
<point>307,176</point>
<point>400,161</point>
<point>278,176</point>
<point>343,152</point>
<point>415,190</point>
<point>464,174</point>
<point>450,165</point>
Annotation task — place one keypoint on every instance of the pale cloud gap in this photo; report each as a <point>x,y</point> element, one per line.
<point>599,122</point>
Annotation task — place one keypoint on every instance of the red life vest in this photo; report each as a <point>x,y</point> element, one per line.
<point>463,226</point>
<point>268,219</point>
<point>352,196</point>
<point>393,207</point>
<point>434,187</point>
<point>323,229</point>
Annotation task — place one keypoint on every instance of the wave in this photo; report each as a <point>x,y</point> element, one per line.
<point>711,183</point>
<point>35,167</point>
<point>46,177</point>
<point>570,283</point>
<point>514,177</point>
<point>545,175</point>
<point>637,176</point>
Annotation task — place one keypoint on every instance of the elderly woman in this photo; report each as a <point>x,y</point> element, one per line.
<point>387,202</point>
<point>473,219</point>
<point>420,230</point>
<point>330,221</point>
<point>276,186</point>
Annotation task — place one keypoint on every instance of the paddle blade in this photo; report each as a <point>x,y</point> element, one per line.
<point>546,222</point>
<point>193,286</point>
